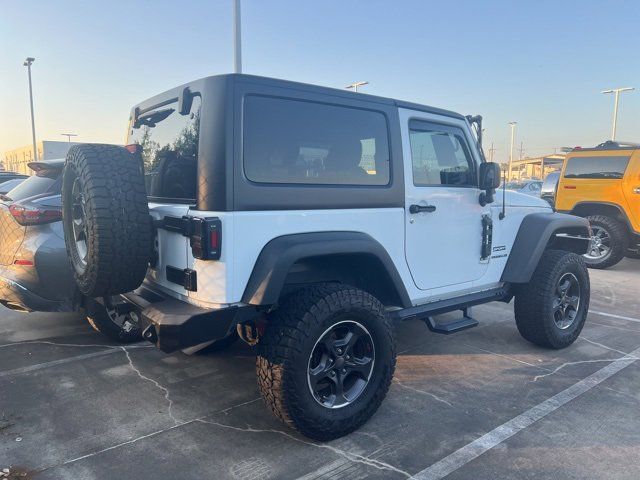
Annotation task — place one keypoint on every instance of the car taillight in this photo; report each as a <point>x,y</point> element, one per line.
<point>33,215</point>
<point>134,148</point>
<point>206,239</point>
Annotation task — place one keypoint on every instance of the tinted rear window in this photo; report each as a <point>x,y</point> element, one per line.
<point>299,142</point>
<point>596,167</point>
<point>43,183</point>
<point>170,151</point>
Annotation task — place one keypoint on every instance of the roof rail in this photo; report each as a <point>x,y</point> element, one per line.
<point>610,144</point>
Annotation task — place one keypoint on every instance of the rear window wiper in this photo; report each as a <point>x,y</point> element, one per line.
<point>153,118</point>
<point>4,198</point>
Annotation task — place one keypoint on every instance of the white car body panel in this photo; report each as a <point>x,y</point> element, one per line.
<point>432,266</point>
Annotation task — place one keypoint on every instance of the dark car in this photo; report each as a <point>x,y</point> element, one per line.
<point>9,185</point>
<point>35,274</point>
<point>34,271</point>
<point>8,176</point>
<point>549,188</point>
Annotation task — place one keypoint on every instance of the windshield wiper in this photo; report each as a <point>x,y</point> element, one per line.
<point>153,118</point>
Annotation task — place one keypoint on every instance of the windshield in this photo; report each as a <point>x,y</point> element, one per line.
<point>515,186</point>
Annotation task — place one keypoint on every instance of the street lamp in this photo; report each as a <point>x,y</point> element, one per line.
<point>69,135</point>
<point>513,131</point>
<point>27,63</point>
<point>616,91</point>
<point>355,85</point>
<point>237,37</point>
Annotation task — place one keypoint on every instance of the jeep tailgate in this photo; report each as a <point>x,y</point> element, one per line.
<point>170,247</point>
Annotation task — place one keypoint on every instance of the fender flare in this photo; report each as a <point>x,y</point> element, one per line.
<point>280,254</point>
<point>535,233</point>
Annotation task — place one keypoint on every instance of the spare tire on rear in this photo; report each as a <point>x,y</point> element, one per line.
<point>107,227</point>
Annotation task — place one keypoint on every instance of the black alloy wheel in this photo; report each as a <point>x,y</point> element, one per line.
<point>341,364</point>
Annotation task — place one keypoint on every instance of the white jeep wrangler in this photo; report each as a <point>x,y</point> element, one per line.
<point>304,220</point>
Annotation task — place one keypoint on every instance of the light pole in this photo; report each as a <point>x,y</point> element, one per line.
<point>513,132</point>
<point>69,135</point>
<point>27,63</point>
<point>616,91</point>
<point>355,85</point>
<point>237,37</point>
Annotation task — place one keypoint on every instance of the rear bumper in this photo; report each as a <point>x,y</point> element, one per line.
<point>172,324</point>
<point>16,296</point>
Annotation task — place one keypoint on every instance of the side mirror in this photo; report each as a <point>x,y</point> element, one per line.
<point>489,181</point>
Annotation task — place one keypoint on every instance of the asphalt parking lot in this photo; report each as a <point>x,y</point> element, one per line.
<point>480,404</point>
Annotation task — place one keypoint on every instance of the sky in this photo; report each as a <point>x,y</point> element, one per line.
<point>540,63</point>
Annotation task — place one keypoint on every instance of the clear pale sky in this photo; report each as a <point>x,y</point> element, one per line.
<point>541,63</point>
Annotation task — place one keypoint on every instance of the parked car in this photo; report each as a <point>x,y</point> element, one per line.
<point>9,185</point>
<point>550,187</point>
<point>35,274</point>
<point>6,176</point>
<point>528,187</point>
<point>602,184</point>
<point>307,219</point>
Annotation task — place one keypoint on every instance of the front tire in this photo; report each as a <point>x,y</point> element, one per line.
<point>326,360</point>
<point>552,308</point>
<point>608,242</point>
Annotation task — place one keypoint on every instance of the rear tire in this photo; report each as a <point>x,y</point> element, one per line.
<point>106,220</point>
<point>609,234</point>
<point>326,360</point>
<point>552,308</point>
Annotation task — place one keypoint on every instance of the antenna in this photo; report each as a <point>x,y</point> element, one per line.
<point>503,213</point>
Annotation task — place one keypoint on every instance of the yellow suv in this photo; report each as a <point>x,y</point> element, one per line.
<point>603,185</point>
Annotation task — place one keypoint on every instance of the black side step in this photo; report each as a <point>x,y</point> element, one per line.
<point>452,304</point>
<point>453,326</point>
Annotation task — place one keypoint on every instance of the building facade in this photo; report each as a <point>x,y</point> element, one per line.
<point>16,160</point>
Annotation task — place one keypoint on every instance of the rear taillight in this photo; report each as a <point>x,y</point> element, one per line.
<point>206,238</point>
<point>134,148</point>
<point>33,215</point>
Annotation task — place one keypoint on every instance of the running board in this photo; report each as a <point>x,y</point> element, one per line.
<point>452,304</point>
<point>453,326</point>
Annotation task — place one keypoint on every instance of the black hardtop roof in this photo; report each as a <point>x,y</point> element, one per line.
<point>299,86</point>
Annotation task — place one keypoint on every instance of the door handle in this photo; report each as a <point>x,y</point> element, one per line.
<point>422,208</point>
<point>636,190</point>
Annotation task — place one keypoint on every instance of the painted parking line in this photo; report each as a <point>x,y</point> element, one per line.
<point>611,315</point>
<point>473,450</point>
<point>40,366</point>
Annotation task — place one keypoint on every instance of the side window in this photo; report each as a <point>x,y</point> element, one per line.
<point>440,155</point>
<point>170,151</point>
<point>299,142</point>
<point>610,167</point>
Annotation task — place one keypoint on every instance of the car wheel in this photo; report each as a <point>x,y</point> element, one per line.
<point>326,360</point>
<point>105,216</point>
<point>122,328</point>
<point>551,309</point>
<point>608,242</point>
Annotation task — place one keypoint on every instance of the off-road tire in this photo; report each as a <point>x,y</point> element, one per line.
<point>116,214</point>
<point>534,301</point>
<point>286,346</point>
<point>619,241</point>
<point>99,319</point>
